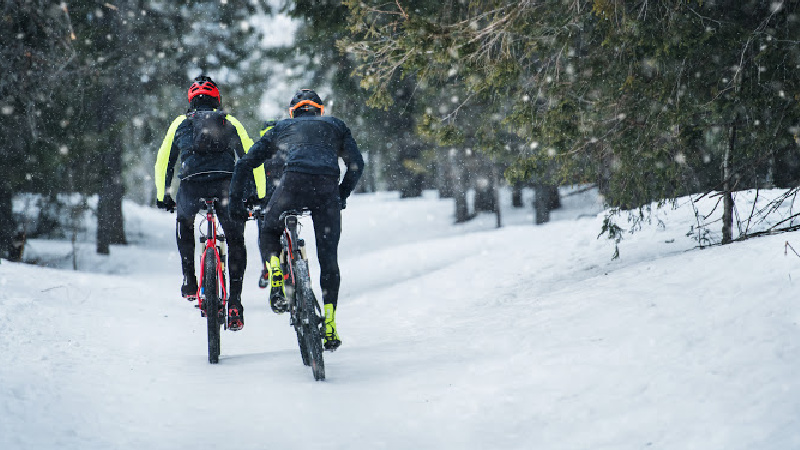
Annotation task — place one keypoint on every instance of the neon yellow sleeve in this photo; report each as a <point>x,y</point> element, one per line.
<point>162,160</point>
<point>259,174</point>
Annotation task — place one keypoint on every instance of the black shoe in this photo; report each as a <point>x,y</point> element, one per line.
<point>189,287</point>
<point>235,315</point>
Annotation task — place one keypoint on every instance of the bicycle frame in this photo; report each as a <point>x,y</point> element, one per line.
<point>290,235</point>
<point>210,239</point>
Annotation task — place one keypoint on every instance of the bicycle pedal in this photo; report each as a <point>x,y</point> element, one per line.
<point>279,304</point>
<point>332,344</point>
<point>236,325</point>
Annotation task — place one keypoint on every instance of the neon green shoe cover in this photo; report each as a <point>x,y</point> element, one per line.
<point>276,275</point>
<point>332,341</point>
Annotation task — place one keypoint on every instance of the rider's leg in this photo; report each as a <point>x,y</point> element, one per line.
<point>327,230</point>
<point>237,255</point>
<point>271,274</point>
<point>188,205</point>
<point>272,184</point>
<point>235,308</point>
<point>237,252</point>
<point>269,240</point>
<point>237,263</point>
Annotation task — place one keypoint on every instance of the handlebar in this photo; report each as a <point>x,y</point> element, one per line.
<point>257,210</point>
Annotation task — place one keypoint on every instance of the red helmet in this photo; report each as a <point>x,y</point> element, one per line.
<point>204,85</point>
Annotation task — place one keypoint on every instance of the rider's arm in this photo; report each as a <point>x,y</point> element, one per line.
<point>245,143</point>
<point>354,163</point>
<point>165,161</point>
<point>259,152</point>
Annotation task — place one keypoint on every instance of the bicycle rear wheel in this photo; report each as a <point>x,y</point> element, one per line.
<point>291,295</point>
<point>211,304</point>
<point>309,321</point>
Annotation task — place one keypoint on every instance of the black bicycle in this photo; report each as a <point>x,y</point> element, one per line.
<point>304,310</point>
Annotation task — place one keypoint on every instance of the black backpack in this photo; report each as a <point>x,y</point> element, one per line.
<point>209,131</point>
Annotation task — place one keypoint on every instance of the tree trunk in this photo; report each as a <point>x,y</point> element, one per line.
<point>541,203</point>
<point>444,174</point>
<point>516,196</point>
<point>496,183</point>
<point>545,200</point>
<point>367,183</point>
<point>8,226</point>
<point>110,224</point>
<point>485,190</point>
<point>727,197</point>
<point>459,177</point>
<point>412,173</point>
<point>555,198</point>
<point>412,187</point>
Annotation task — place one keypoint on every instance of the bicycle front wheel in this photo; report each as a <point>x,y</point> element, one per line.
<point>301,342</point>
<point>310,321</point>
<point>211,304</point>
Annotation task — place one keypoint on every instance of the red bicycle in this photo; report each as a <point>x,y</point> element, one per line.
<point>212,294</point>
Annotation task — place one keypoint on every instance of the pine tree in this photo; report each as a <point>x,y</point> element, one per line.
<point>649,100</point>
<point>37,45</point>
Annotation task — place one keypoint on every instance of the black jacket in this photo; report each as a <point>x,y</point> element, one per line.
<point>312,144</point>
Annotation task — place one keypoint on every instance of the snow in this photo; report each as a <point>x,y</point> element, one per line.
<point>455,337</point>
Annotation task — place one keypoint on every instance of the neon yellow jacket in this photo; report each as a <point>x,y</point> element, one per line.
<point>194,165</point>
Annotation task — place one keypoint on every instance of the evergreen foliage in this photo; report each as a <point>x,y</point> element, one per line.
<point>649,100</point>
<point>386,136</point>
<point>89,89</point>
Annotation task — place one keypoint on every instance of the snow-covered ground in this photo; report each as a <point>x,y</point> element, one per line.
<point>455,337</point>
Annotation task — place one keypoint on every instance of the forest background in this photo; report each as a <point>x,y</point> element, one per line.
<point>645,101</point>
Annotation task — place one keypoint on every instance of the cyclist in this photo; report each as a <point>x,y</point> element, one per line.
<point>313,143</point>
<point>208,141</point>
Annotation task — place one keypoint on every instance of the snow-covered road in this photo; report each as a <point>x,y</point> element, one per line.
<point>455,337</point>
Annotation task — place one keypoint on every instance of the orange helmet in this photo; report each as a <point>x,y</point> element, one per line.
<point>305,100</point>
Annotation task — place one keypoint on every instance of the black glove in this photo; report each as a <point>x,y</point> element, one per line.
<point>168,203</point>
<point>343,194</point>
<point>238,211</point>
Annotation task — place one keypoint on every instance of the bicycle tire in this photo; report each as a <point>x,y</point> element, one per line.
<point>211,304</point>
<point>309,321</point>
<point>302,344</point>
<point>291,296</point>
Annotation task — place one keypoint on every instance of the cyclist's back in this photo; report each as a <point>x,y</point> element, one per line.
<point>312,145</point>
